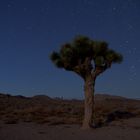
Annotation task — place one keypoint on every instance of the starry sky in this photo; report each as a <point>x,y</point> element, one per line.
<point>31,29</point>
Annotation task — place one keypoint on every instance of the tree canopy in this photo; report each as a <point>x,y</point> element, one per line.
<point>84,55</point>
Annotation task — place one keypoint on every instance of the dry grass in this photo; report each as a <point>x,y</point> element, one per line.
<point>56,111</point>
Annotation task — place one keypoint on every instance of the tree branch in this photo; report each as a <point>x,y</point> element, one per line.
<point>83,68</point>
<point>97,71</point>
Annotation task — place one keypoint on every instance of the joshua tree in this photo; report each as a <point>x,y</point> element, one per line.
<point>88,59</point>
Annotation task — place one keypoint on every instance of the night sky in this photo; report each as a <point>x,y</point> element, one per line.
<point>31,29</point>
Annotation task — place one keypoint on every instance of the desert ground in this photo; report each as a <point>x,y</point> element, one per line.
<point>44,118</point>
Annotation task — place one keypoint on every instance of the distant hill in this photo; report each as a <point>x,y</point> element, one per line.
<point>41,97</point>
<point>107,96</point>
<point>45,97</point>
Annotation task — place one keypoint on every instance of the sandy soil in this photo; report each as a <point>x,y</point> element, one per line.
<point>44,118</point>
<point>118,130</point>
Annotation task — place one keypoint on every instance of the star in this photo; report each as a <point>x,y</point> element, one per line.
<point>132,72</point>
<point>9,5</point>
<point>134,50</point>
<point>130,27</point>
<point>132,67</point>
<point>124,46</point>
<point>24,9</point>
<point>126,41</point>
<point>114,8</point>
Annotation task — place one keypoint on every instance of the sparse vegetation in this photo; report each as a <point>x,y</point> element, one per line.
<point>54,112</point>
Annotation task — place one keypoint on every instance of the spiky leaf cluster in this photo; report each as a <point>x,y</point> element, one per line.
<point>75,54</point>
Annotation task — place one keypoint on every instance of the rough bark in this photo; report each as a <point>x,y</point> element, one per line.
<point>89,103</point>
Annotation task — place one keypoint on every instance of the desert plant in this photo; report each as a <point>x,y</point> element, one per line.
<point>88,59</point>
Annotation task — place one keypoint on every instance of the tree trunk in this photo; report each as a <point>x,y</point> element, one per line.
<point>89,103</point>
